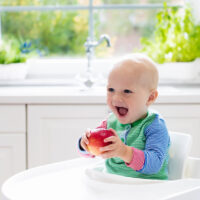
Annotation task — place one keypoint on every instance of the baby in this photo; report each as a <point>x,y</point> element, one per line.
<point>140,145</point>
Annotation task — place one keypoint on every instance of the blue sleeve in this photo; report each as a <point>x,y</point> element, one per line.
<point>80,149</point>
<point>156,147</point>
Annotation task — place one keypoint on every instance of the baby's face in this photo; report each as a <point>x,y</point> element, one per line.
<point>126,97</point>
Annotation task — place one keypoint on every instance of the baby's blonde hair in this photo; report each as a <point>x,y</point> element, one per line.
<point>145,67</point>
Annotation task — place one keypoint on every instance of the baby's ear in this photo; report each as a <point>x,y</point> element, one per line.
<point>152,97</point>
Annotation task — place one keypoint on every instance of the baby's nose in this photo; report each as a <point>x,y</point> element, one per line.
<point>117,100</point>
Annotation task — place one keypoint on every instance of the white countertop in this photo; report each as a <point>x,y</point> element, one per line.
<point>76,95</point>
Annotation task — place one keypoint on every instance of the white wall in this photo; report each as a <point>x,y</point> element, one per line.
<point>195,4</point>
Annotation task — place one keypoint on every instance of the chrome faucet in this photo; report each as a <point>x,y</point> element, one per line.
<point>90,45</point>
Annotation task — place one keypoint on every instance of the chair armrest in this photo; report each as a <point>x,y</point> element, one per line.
<point>192,168</point>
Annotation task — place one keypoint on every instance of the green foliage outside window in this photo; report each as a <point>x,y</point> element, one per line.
<point>64,32</point>
<point>176,37</point>
<point>49,32</point>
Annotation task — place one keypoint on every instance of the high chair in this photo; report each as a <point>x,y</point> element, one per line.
<point>181,165</point>
<point>83,178</point>
<point>178,153</point>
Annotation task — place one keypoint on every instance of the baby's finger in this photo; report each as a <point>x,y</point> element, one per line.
<point>84,145</point>
<point>111,139</point>
<point>107,148</point>
<point>87,133</point>
<point>115,133</point>
<point>108,154</point>
<point>85,139</point>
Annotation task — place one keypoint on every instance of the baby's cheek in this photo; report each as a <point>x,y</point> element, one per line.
<point>110,105</point>
<point>108,99</point>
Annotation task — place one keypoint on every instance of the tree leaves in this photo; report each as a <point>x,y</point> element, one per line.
<point>176,37</point>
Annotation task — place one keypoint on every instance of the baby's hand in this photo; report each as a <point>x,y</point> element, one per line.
<point>84,140</point>
<point>116,149</point>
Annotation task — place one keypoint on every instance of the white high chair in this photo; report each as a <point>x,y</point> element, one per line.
<point>180,164</point>
<point>178,153</point>
<point>81,179</point>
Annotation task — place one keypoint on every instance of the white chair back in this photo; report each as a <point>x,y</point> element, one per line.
<point>178,153</point>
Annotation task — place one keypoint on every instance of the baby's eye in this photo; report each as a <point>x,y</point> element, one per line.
<point>111,90</point>
<point>127,91</point>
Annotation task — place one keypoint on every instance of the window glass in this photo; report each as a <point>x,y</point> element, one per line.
<point>47,33</point>
<point>126,31</point>
<point>63,33</point>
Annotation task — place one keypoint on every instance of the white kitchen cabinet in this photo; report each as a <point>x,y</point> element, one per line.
<point>183,118</point>
<point>54,130</point>
<point>12,141</point>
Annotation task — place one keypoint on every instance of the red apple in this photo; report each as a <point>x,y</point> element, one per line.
<point>96,140</point>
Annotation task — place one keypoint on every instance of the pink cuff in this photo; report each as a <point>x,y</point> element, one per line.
<point>85,154</point>
<point>137,161</point>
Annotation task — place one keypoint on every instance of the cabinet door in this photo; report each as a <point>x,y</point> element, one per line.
<point>12,141</point>
<point>183,118</point>
<point>12,155</point>
<point>54,130</point>
<point>12,119</point>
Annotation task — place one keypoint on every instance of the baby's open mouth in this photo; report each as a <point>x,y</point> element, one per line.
<point>122,111</point>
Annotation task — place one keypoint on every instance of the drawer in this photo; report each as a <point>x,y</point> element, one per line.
<point>12,118</point>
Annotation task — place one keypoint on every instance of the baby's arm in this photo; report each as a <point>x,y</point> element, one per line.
<point>156,148</point>
<point>153,156</point>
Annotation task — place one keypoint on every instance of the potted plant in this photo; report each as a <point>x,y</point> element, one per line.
<point>175,44</point>
<point>12,61</point>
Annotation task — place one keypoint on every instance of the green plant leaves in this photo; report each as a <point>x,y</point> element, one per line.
<point>176,37</point>
<point>10,52</point>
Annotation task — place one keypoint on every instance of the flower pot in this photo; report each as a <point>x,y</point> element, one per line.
<point>180,71</point>
<point>13,71</point>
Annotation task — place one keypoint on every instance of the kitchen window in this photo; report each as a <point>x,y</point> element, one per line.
<point>60,28</point>
<point>57,30</point>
